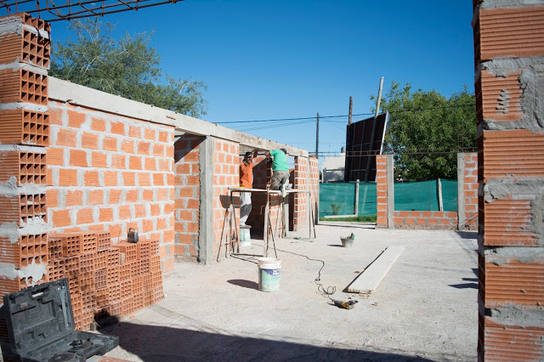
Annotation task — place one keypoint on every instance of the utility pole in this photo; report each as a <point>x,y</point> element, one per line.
<point>378,101</point>
<point>317,136</point>
<point>350,109</point>
<point>347,165</point>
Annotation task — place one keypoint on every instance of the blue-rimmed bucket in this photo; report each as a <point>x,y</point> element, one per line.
<point>269,274</point>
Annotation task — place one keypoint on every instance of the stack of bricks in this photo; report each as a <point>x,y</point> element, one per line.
<point>24,134</point>
<point>187,196</point>
<point>509,82</point>
<point>118,279</point>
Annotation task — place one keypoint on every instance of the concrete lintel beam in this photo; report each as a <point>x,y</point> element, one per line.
<point>75,94</point>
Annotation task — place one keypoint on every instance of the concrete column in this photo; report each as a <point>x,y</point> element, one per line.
<point>510,109</point>
<point>390,190</point>
<point>460,191</point>
<point>206,237</point>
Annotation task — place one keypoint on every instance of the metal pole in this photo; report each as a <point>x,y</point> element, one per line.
<point>373,130</point>
<point>316,137</point>
<point>350,109</point>
<point>356,198</point>
<point>440,201</point>
<point>379,100</point>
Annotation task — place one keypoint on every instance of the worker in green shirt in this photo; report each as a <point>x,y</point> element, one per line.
<point>280,169</point>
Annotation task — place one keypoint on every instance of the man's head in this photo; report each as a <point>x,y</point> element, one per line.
<point>248,156</point>
<point>284,150</point>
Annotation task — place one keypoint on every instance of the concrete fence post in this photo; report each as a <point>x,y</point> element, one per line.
<point>356,206</point>
<point>461,217</point>
<point>390,190</point>
<point>206,237</point>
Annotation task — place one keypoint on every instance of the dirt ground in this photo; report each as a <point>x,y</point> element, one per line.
<point>424,309</point>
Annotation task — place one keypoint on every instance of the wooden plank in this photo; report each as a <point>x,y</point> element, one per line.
<point>369,279</point>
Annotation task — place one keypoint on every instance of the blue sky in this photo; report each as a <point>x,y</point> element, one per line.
<point>284,59</point>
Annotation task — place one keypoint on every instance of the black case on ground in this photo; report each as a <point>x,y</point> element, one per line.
<point>40,326</point>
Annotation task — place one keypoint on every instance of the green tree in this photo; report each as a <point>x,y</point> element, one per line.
<point>128,67</point>
<point>426,130</point>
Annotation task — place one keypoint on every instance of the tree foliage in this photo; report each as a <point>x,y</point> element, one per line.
<point>128,67</point>
<point>426,130</point>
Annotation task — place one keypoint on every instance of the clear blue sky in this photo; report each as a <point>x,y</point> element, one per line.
<point>283,59</point>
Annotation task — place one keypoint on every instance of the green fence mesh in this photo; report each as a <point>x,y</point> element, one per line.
<point>367,199</point>
<point>416,196</point>
<point>339,198</point>
<point>449,194</point>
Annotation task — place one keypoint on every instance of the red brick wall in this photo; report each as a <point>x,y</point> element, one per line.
<point>381,191</point>
<point>428,220</point>
<point>301,178</point>
<point>431,220</point>
<point>187,202</point>
<point>509,86</point>
<point>108,172</point>
<point>226,173</point>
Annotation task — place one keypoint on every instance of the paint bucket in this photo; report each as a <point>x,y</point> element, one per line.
<point>347,242</point>
<point>269,274</point>
<point>245,235</point>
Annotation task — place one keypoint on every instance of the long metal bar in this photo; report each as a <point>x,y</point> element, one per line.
<point>276,192</point>
<point>83,11</point>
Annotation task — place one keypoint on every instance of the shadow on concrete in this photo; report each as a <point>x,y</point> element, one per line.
<point>465,285</point>
<point>244,283</point>
<point>335,245</point>
<point>468,234</point>
<point>158,343</point>
<point>470,279</point>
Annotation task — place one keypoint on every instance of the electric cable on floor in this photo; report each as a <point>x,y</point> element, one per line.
<point>324,292</point>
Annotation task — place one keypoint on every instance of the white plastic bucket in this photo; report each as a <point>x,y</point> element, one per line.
<point>269,274</point>
<point>245,235</point>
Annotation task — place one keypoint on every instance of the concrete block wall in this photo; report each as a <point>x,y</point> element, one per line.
<point>509,83</point>
<point>24,131</point>
<point>187,196</point>
<point>109,172</point>
<point>226,164</point>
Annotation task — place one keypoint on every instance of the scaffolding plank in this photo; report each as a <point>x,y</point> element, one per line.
<point>370,278</point>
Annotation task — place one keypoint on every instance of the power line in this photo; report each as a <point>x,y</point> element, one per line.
<point>291,119</point>
<point>344,115</point>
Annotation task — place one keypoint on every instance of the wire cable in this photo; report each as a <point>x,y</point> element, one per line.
<point>326,117</point>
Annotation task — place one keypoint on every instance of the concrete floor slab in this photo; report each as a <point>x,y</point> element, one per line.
<point>424,308</point>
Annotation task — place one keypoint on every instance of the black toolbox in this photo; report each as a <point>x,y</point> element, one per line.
<point>40,326</point>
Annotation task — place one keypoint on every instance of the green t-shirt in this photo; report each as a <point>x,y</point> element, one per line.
<point>279,162</point>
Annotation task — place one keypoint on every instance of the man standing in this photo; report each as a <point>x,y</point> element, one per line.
<point>280,169</point>
<point>246,180</point>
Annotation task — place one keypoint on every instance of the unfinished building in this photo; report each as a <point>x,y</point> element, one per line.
<point>74,159</point>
